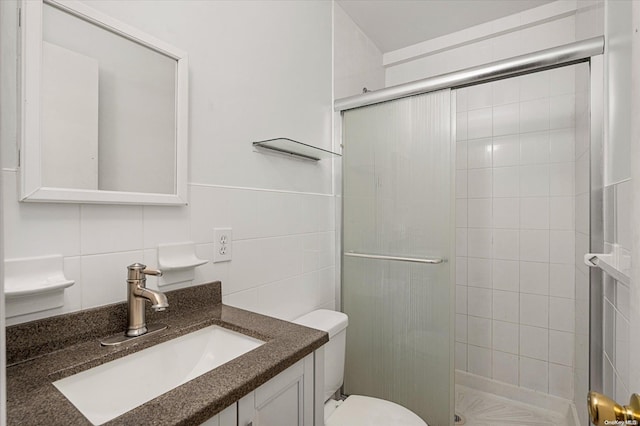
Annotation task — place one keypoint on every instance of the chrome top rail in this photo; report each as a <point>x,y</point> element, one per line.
<point>430,260</point>
<point>567,54</point>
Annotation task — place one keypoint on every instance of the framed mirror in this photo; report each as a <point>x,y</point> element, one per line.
<point>103,109</point>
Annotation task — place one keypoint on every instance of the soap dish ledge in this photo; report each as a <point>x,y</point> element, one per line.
<point>34,284</point>
<point>178,261</point>
<point>178,256</point>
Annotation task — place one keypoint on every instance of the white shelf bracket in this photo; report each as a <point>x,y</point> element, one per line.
<point>616,264</point>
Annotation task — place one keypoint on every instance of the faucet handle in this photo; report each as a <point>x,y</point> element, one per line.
<point>156,272</point>
<point>137,271</point>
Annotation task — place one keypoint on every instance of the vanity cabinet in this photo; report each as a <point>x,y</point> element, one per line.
<point>227,417</point>
<point>285,400</point>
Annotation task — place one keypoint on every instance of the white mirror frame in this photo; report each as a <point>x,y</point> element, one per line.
<point>29,149</point>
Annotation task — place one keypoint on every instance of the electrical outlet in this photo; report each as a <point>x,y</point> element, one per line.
<point>222,239</point>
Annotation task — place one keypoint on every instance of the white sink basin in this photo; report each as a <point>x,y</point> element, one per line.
<point>109,390</point>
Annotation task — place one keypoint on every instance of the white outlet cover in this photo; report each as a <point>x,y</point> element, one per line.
<point>222,242</point>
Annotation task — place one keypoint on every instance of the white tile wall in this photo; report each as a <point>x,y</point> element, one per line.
<point>37,229</point>
<point>108,229</point>
<point>534,213</point>
<point>506,182</point>
<point>505,367</point>
<point>517,231</point>
<point>561,347</point>
<point>479,243</point>
<point>561,280</point>
<point>506,306</point>
<point>479,360</point>
<point>534,310</point>
<point>275,271</point>
<point>616,331</point>
<point>506,213</point>
<point>479,273</point>
<point>534,245</point>
<point>506,151</point>
<point>282,211</point>
<point>534,374</point>
<point>616,295</point>
<point>534,342</point>
<point>534,278</point>
<point>507,275</point>
<point>505,244</point>
<point>534,181</point>
<point>479,183</point>
<point>561,381</point>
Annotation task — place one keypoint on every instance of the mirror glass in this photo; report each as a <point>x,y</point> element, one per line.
<point>109,117</point>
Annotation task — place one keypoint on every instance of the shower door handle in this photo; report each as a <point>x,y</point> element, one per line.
<point>429,260</point>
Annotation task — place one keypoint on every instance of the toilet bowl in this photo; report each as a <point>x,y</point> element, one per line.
<point>359,410</point>
<point>355,410</point>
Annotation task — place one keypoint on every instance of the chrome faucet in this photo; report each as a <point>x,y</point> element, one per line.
<point>137,293</point>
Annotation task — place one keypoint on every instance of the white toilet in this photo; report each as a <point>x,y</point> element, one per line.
<point>356,410</point>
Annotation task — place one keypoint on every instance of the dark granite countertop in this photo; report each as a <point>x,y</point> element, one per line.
<point>43,351</point>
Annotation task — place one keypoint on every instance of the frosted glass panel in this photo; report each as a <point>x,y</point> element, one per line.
<point>397,201</point>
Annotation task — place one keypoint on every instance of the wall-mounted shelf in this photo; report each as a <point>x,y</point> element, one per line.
<point>34,284</point>
<point>177,262</point>
<point>616,264</point>
<point>297,149</point>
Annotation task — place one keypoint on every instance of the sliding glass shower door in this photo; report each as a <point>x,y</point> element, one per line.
<point>397,253</point>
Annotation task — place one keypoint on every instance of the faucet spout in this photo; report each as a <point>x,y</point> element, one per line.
<point>158,300</point>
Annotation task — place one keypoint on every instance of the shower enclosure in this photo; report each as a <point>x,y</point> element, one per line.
<point>407,204</point>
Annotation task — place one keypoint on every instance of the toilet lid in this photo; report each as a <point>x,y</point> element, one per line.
<point>359,410</point>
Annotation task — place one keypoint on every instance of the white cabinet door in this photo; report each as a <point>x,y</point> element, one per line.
<point>285,400</point>
<point>227,417</point>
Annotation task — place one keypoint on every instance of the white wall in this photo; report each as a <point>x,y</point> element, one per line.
<point>7,128</point>
<point>618,118</point>
<point>357,60</point>
<point>621,376</point>
<point>536,29</point>
<point>258,70</point>
<point>621,318</point>
<point>617,198</point>
<point>634,291</point>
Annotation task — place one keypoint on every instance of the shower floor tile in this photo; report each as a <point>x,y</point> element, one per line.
<point>484,409</point>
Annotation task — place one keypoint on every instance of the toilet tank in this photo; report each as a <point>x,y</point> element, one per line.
<point>335,324</point>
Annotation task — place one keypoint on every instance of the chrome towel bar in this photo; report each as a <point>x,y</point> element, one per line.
<point>430,260</point>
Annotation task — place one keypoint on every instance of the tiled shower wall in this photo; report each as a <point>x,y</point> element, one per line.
<point>516,231</point>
